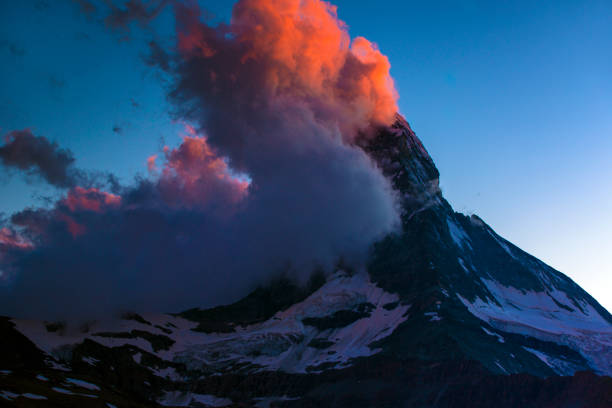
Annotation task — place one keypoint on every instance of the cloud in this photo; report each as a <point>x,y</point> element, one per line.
<point>158,56</point>
<point>278,52</point>
<point>15,49</point>
<point>81,36</point>
<point>269,179</point>
<point>91,199</point>
<point>86,7</point>
<point>39,158</point>
<point>141,12</point>
<point>10,238</point>
<point>194,176</point>
<point>36,155</point>
<point>151,166</point>
<point>56,83</point>
<point>41,5</point>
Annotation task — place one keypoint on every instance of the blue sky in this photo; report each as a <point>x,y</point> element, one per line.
<point>512,99</point>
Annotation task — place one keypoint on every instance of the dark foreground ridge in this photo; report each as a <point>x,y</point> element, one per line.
<point>449,314</point>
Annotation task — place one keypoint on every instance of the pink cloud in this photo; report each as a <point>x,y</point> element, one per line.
<point>303,53</point>
<point>194,175</point>
<point>91,199</point>
<point>151,163</point>
<point>12,239</point>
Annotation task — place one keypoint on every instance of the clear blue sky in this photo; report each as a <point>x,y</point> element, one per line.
<point>513,99</point>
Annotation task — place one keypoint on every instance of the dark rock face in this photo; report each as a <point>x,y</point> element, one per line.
<point>17,351</point>
<point>403,160</point>
<point>258,306</point>
<point>478,323</point>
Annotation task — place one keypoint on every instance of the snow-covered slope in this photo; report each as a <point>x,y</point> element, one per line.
<point>333,325</point>
<point>311,334</point>
<point>547,316</point>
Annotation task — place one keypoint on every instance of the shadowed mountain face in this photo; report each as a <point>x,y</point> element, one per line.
<point>449,314</point>
<point>487,300</point>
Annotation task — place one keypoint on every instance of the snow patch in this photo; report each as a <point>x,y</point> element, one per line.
<point>49,342</point>
<point>501,367</point>
<point>57,366</point>
<point>490,333</point>
<point>536,314</point>
<point>433,316</point>
<point>537,310</point>
<point>169,373</point>
<point>83,384</point>
<point>7,395</point>
<point>90,360</point>
<point>501,243</point>
<point>62,390</point>
<point>458,234</point>
<point>559,366</point>
<point>68,392</point>
<point>463,265</point>
<point>33,396</point>
<point>137,357</point>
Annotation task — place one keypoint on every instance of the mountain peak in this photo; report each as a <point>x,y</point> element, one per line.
<point>445,303</point>
<point>403,159</point>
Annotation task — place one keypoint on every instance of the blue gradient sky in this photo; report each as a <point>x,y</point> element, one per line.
<point>512,99</point>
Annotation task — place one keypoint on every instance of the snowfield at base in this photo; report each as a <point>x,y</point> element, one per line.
<point>280,343</point>
<point>167,373</point>
<point>539,315</point>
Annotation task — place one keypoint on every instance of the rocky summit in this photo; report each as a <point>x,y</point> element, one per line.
<point>447,313</point>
